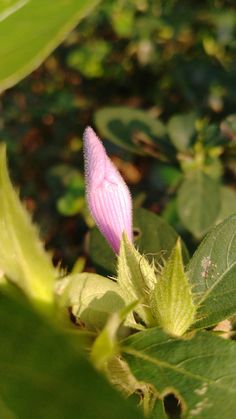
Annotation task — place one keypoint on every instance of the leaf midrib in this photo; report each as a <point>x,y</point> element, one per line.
<point>166,365</point>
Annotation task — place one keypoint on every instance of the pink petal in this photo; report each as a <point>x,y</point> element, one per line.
<point>108,197</point>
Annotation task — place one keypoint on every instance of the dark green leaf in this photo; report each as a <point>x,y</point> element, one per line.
<point>200,372</point>
<point>43,375</point>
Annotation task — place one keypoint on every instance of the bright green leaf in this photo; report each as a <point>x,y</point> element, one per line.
<point>91,297</point>
<point>198,202</point>
<point>22,257</point>
<point>212,273</point>
<point>30,30</point>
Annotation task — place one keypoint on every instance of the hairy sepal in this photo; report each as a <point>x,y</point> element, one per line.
<point>172,303</point>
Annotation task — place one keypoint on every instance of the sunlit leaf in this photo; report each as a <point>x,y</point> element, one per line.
<point>92,298</point>
<point>30,30</point>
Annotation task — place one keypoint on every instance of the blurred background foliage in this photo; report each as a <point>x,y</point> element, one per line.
<point>157,79</point>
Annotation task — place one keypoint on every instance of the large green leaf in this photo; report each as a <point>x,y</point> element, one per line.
<point>132,129</point>
<point>43,375</point>
<point>22,256</point>
<point>212,272</point>
<point>201,371</point>
<point>198,202</point>
<point>152,235</point>
<point>30,30</point>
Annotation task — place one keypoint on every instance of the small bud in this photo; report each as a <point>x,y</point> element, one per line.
<point>108,196</point>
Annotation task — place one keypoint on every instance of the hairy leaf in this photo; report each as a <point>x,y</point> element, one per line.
<point>172,302</point>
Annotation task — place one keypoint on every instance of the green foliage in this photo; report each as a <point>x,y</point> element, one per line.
<point>200,371</point>
<point>212,273</point>
<point>30,30</point>
<point>22,257</point>
<point>82,59</point>
<point>198,202</point>
<point>159,80</point>
<point>43,368</point>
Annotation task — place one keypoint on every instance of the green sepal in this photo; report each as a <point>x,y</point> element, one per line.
<point>91,298</point>
<point>172,302</point>
<point>136,278</point>
<point>23,259</point>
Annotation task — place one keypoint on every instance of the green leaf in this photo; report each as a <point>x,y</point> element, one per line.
<point>181,129</point>
<point>212,272</point>
<point>198,202</point>
<point>200,372</point>
<point>92,298</point>
<point>22,256</point>
<point>132,129</point>
<point>172,302</point>
<point>44,374</point>
<point>153,237</point>
<point>228,203</point>
<point>30,30</point>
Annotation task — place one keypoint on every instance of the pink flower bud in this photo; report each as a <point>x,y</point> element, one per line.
<point>108,197</point>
